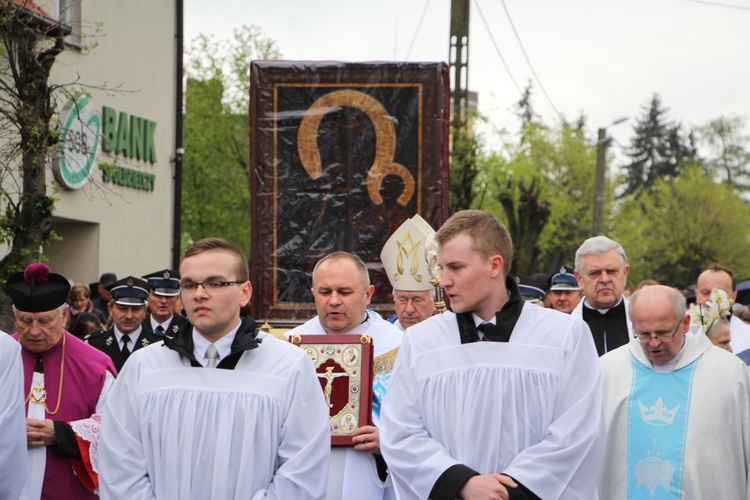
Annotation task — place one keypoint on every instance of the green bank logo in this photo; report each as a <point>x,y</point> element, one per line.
<point>79,144</point>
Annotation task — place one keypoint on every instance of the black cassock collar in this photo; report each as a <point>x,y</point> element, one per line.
<point>505,319</point>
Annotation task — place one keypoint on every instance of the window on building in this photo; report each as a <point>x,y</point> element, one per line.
<point>69,12</point>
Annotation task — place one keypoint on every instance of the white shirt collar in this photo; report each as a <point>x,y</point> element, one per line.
<point>223,345</point>
<point>478,321</point>
<point>600,311</point>
<point>155,323</point>
<point>133,337</point>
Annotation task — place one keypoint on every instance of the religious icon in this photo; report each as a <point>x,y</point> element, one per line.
<point>343,154</point>
<point>344,366</point>
<point>313,353</point>
<point>350,356</point>
<point>330,376</point>
<point>348,423</point>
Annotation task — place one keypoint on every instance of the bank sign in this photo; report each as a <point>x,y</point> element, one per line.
<point>86,132</point>
<point>80,143</point>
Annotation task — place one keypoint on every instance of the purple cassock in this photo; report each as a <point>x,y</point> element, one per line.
<point>86,373</point>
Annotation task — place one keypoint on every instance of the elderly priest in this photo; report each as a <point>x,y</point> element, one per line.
<point>64,382</point>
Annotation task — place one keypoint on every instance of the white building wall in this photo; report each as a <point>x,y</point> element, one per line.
<point>107,227</point>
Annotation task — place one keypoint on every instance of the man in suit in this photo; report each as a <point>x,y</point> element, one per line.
<point>127,307</point>
<point>163,300</point>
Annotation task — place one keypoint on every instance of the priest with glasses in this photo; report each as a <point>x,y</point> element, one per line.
<point>677,409</point>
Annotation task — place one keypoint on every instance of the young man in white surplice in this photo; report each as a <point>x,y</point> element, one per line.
<point>518,415</point>
<point>218,410</point>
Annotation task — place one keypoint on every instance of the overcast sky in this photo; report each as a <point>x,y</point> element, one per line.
<point>602,58</point>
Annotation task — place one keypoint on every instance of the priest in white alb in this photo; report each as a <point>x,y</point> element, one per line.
<point>342,291</point>
<point>218,411</point>
<point>498,396</point>
<point>677,409</point>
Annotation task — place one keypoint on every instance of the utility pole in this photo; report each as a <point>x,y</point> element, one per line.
<point>600,189</point>
<point>600,177</point>
<point>459,62</point>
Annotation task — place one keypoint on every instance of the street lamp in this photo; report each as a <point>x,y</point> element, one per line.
<point>600,179</point>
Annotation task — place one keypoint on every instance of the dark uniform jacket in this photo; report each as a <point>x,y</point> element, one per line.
<point>106,341</point>
<point>172,328</point>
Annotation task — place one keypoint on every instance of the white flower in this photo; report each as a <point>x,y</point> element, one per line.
<point>720,305</point>
<point>723,304</point>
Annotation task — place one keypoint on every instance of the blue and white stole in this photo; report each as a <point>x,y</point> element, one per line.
<point>657,428</point>
<point>382,368</point>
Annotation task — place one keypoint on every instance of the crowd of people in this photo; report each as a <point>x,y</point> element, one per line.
<point>526,388</point>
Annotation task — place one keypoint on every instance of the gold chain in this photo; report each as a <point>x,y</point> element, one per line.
<point>59,389</point>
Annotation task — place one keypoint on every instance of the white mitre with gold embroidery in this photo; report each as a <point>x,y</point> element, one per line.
<point>403,256</point>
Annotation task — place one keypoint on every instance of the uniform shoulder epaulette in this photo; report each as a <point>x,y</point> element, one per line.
<point>94,335</point>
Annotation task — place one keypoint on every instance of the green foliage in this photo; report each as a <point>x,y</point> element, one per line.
<point>683,224</point>
<point>229,62</point>
<point>464,169</point>
<point>728,157</point>
<point>216,172</point>
<point>570,176</point>
<point>545,188</point>
<point>656,150</point>
<point>526,215</point>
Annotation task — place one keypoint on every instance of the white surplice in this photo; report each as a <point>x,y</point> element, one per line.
<point>530,408</point>
<point>354,474</point>
<point>12,422</point>
<point>716,460</point>
<point>740,332</point>
<point>170,430</point>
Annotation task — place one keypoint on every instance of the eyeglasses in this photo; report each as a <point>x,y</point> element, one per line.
<point>662,336</point>
<point>209,286</point>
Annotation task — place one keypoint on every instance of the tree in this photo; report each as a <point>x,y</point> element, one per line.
<point>216,170</point>
<point>547,181</point>
<point>464,168</point>
<point>729,158</point>
<point>683,224</point>
<point>657,149</point>
<point>31,44</point>
<point>526,215</point>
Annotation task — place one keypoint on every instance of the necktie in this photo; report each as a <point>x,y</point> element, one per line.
<point>494,333</point>
<point>213,356</point>
<point>484,328</point>
<point>159,330</point>
<point>125,350</point>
